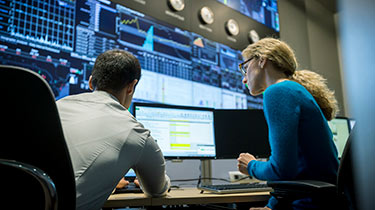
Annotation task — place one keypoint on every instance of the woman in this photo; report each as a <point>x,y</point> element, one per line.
<point>297,105</point>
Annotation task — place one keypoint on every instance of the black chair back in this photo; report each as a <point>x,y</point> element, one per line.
<point>31,130</point>
<point>345,179</point>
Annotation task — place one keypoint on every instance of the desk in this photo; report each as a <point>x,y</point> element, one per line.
<point>182,196</point>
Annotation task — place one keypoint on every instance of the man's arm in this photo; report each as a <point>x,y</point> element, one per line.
<point>150,169</point>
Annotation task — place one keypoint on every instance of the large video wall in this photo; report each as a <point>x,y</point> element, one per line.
<point>61,39</point>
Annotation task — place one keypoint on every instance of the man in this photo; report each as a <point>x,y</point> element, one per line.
<point>104,139</point>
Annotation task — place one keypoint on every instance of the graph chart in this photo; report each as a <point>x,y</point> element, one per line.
<point>45,22</point>
<point>149,42</point>
<point>153,36</point>
<point>160,48</point>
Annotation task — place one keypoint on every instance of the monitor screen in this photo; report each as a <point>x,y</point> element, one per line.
<point>340,127</point>
<point>241,131</point>
<point>60,40</point>
<point>181,132</point>
<point>130,175</point>
<point>263,11</point>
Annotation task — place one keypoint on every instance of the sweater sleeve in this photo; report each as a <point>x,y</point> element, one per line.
<point>282,112</point>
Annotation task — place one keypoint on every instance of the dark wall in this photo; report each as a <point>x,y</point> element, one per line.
<point>310,29</point>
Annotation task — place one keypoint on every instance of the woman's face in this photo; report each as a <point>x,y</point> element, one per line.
<point>254,77</point>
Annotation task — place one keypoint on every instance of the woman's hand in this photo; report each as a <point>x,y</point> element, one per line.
<point>243,161</point>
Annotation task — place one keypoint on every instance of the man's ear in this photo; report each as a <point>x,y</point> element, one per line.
<point>91,86</point>
<point>131,87</point>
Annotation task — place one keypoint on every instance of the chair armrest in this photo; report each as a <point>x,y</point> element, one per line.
<point>46,183</point>
<point>286,192</point>
<point>302,188</point>
<point>303,185</point>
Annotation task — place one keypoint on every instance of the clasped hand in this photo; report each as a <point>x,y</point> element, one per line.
<point>243,161</point>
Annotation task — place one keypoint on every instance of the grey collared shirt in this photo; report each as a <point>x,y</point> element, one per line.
<point>104,141</point>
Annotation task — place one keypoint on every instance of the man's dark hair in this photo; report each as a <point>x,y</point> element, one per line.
<point>114,70</point>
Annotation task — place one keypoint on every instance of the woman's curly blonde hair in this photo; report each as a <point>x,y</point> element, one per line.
<point>283,57</point>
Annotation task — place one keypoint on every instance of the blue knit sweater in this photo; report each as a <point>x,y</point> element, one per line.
<point>300,139</point>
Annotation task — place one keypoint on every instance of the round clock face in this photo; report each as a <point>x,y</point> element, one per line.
<point>232,27</point>
<point>253,36</point>
<point>177,5</point>
<point>207,15</point>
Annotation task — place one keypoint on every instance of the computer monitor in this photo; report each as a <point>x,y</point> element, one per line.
<point>181,132</point>
<point>241,131</point>
<point>130,175</point>
<point>265,12</point>
<point>340,127</point>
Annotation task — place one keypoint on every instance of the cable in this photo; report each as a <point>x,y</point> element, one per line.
<point>200,178</point>
<point>195,179</point>
<point>209,178</point>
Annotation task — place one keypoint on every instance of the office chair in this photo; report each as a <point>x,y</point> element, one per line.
<point>327,195</point>
<point>32,133</point>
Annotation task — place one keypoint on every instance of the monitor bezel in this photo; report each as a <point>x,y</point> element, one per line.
<point>159,105</point>
<point>347,121</point>
<point>349,129</point>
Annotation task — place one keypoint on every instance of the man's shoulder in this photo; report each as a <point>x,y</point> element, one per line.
<point>86,96</point>
<point>73,98</point>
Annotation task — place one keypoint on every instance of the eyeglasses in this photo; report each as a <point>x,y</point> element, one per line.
<point>243,66</point>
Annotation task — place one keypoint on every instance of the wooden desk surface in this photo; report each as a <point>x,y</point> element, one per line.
<point>127,199</point>
<point>183,196</point>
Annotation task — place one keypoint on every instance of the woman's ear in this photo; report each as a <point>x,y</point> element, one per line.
<point>262,62</point>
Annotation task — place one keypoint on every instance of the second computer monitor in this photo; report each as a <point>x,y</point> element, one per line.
<point>181,132</point>
<point>340,127</point>
<point>241,131</point>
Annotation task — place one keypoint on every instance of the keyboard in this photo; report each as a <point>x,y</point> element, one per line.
<point>130,188</point>
<point>236,188</point>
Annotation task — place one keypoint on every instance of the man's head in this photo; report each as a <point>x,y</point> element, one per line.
<point>117,72</point>
<point>115,69</point>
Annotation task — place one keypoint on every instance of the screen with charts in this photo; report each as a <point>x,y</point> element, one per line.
<point>60,40</point>
<point>340,128</point>
<point>263,11</point>
<point>130,175</point>
<point>179,131</point>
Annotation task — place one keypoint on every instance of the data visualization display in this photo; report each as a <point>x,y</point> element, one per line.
<point>60,40</point>
<point>263,11</point>
<point>43,23</point>
<point>179,132</point>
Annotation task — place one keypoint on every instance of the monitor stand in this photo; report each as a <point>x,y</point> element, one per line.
<point>206,172</point>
